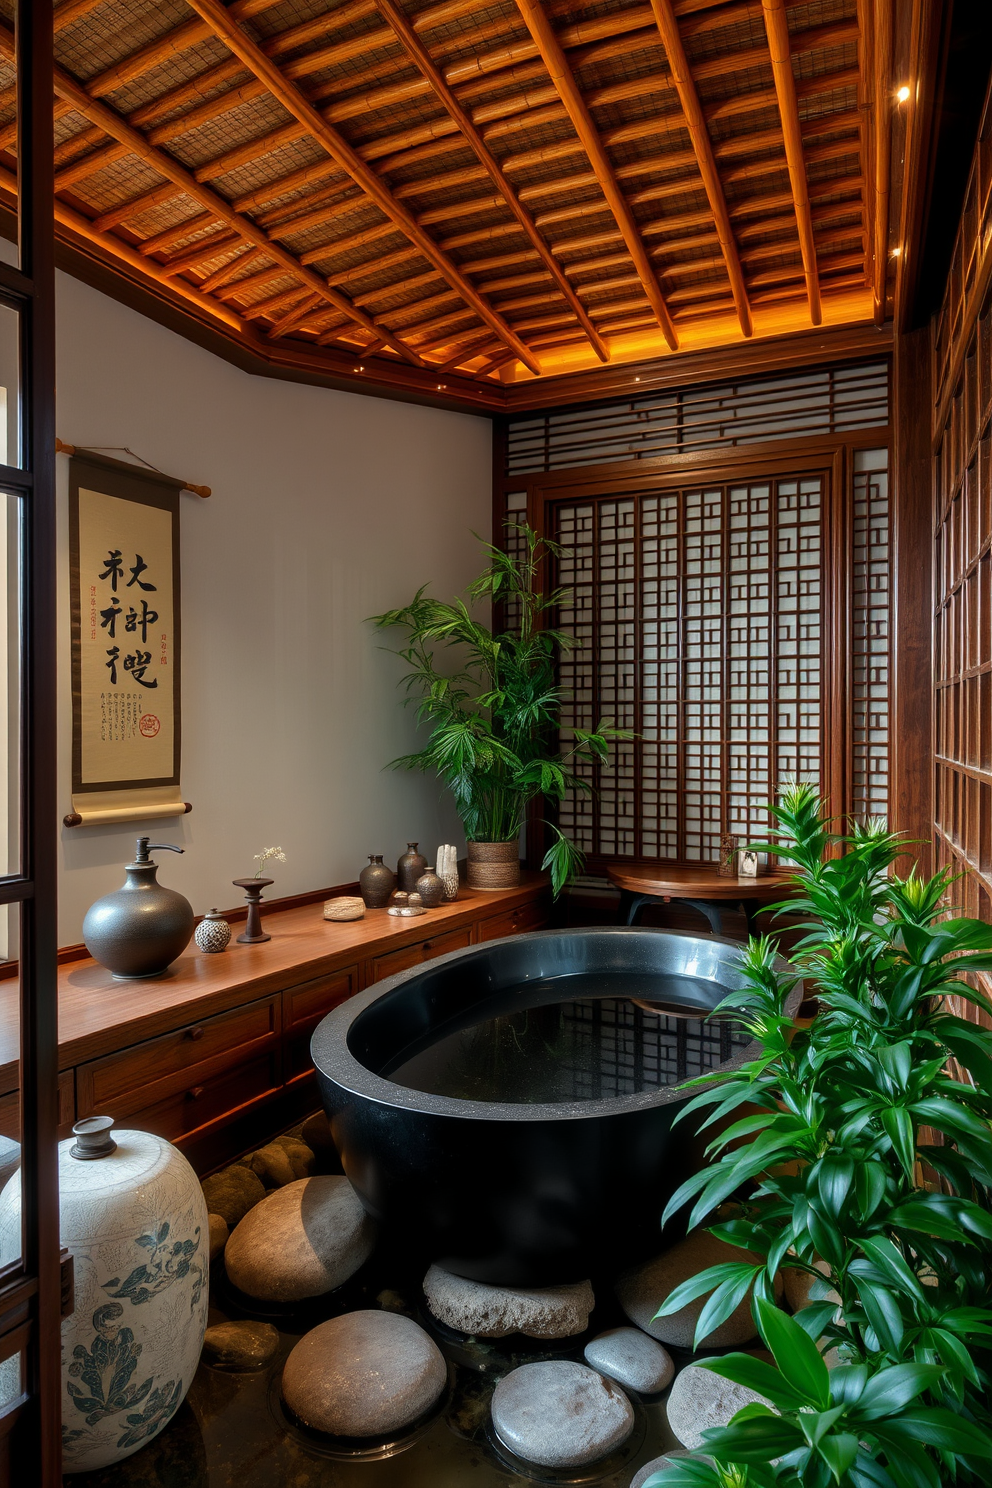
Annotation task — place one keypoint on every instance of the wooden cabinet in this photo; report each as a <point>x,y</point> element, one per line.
<point>424,950</point>
<point>302,1009</point>
<point>512,921</point>
<point>174,1084</point>
<point>216,1056</point>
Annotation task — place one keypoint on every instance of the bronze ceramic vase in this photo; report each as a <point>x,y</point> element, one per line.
<point>137,931</point>
<point>376,882</point>
<point>431,889</point>
<point>409,868</point>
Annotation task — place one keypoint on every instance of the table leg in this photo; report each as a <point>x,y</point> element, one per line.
<point>710,910</point>
<point>751,908</point>
<point>632,904</point>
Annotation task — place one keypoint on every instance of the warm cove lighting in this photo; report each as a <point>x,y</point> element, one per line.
<point>903,93</point>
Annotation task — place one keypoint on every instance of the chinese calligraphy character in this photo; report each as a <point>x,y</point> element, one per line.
<point>108,618</point>
<point>113,653</point>
<point>137,570</point>
<point>114,569</point>
<point>140,621</point>
<point>137,664</point>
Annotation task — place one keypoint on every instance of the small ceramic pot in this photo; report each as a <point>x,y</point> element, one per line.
<point>410,866</point>
<point>431,889</point>
<point>493,865</point>
<point>376,882</point>
<point>213,933</point>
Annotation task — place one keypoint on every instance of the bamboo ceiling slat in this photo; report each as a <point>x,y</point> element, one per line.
<point>490,178</point>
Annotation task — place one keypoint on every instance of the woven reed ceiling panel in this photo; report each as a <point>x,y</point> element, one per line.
<point>487,190</point>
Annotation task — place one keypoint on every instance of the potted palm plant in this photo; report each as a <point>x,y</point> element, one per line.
<point>494,718</point>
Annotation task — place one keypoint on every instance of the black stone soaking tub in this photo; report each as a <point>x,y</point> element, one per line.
<point>507,1109</point>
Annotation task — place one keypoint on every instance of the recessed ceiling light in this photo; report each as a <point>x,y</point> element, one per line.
<point>903,93</point>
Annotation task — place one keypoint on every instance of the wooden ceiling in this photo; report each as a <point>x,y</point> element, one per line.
<point>473,194</point>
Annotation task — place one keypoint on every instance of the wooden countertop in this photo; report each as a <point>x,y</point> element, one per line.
<point>98,1014</point>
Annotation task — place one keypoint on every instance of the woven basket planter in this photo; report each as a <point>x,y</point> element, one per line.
<point>493,865</point>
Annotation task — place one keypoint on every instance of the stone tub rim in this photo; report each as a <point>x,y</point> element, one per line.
<point>333,1058</point>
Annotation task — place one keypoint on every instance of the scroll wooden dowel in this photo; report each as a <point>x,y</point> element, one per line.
<point>61,448</point>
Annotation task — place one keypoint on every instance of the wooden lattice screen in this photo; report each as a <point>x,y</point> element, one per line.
<point>708,614</point>
<point>963,562</point>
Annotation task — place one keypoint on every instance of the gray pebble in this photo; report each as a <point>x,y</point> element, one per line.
<point>632,1358</point>
<point>495,1312</point>
<point>364,1374</point>
<point>556,1413</point>
<point>702,1401</point>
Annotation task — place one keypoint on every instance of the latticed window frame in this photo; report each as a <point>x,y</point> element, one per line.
<point>854,766</point>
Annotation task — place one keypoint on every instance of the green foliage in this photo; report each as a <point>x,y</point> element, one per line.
<point>847,1110</point>
<point>494,721</point>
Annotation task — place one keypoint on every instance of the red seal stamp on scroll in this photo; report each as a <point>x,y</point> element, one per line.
<point>148,725</point>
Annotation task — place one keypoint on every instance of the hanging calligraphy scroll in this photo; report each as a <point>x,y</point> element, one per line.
<point>124,565</point>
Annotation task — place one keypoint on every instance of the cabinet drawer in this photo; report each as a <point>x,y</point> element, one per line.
<point>424,950</point>
<point>302,1009</point>
<point>10,1109</point>
<point>120,1084</point>
<point>217,1099</point>
<point>524,917</point>
<point>306,1004</point>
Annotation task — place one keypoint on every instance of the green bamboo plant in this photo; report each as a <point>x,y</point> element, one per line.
<point>829,1182</point>
<point>494,721</point>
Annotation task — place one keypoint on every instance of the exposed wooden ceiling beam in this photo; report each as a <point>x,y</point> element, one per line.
<point>882,79</point>
<point>682,77</point>
<point>73,92</point>
<point>777,31</point>
<point>227,29</point>
<point>542,31</point>
<point>409,39</point>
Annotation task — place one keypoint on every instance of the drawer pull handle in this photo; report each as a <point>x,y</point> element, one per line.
<point>428,945</point>
<point>194,1034</point>
<point>195,1093</point>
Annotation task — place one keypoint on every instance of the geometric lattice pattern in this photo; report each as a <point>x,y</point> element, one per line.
<point>699,616</point>
<point>870,638</point>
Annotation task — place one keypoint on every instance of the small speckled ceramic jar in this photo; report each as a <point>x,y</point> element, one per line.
<point>430,888</point>
<point>213,933</point>
<point>133,1216</point>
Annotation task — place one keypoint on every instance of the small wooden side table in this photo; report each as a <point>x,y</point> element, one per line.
<point>701,888</point>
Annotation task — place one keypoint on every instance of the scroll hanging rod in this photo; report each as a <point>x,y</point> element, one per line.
<point>61,448</point>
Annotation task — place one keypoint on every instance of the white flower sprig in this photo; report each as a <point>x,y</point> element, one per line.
<point>271,854</point>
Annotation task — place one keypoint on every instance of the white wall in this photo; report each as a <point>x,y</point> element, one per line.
<point>327,507</point>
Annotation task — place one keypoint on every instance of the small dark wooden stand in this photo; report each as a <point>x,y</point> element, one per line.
<point>253,934</point>
<point>701,888</point>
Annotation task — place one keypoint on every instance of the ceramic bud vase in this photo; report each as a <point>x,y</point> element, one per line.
<point>253,932</point>
<point>447,870</point>
<point>376,882</point>
<point>409,868</point>
<point>133,1216</point>
<point>493,865</point>
<point>430,888</point>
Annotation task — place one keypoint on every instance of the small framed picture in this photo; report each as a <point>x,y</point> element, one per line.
<point>747,865</point>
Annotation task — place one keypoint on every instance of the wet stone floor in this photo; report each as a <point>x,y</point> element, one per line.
<point>232,1431</point>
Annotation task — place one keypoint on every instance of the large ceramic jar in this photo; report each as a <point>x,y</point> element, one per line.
<point>133,1216</point>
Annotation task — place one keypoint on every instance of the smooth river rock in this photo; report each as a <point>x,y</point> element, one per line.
<point>365,1374</point>
<point>656,1465</point>
<point>219,1234</point>
<point>632,1358</point>
<point>556,1413</point>
<point>642,1290</point>
<point>232,1193</point>
<point>241,1345</point>
<point>303,1240</point>
<point>701,1401</point>
<point>495,1312</point>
